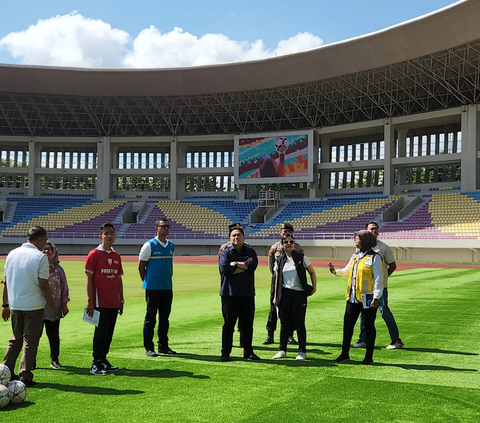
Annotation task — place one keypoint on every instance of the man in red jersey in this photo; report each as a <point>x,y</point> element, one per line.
<point>104,272</point>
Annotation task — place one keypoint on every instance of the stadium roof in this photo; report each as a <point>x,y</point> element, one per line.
<point>425,64</point>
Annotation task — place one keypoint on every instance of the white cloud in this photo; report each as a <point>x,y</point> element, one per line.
<point>177,48</point>
<point>73,40</point>
<point>301,41</point>
<point>69,40</point>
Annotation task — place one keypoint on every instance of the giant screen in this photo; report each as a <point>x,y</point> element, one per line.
<point>274,158</point>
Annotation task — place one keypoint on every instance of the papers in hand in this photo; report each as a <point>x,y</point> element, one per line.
<point>92,320</point>
<point>367,300</point>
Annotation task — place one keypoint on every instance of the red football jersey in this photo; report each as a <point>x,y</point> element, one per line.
<point>106,268</point>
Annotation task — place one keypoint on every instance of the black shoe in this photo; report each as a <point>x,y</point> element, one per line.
<point>28,383</point>
<point>54,364</point>
<point>225,358</point>
<point>291,340</point>
<point>367,361</point>
<point>151,353</point>
<point>108,367</point>
<point>14,377</point>
<point>251,356</point>
<point>342,358</point>
<point>269,340</point>
<point>166,350</point>
<point>97,369</point>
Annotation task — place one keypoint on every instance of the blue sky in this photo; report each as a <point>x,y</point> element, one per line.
<point>143,33</point>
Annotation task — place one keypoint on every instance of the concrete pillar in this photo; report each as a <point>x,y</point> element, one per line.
<point>241,192</point>
<point>33,162</point>
<point>388,170</point>
<point>402,152</point>
<point>470,148</point>
<point>325,157</point>
<point>104,165</point>
<point>173,169</point>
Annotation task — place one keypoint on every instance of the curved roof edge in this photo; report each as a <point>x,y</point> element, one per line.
<point>446,28</point>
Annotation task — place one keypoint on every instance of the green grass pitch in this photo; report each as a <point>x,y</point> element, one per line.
<point>434,379</point>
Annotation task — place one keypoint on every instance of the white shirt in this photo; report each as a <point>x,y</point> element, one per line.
<point>290,275</point>
<point>387,255</point>
<point>23,267</point>
<point>146,251</point>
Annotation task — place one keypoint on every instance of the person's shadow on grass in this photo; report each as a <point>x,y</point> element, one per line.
<point>437,351</point>
<point>291,348</point>
<point>424,367</point>
<point>291,362</point>
<point>15,407</point>
<point>151,373</point>
<point>95,390</point>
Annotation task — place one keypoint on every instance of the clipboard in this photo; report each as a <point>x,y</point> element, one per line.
<point>367,300</point>
<point>92,320</point>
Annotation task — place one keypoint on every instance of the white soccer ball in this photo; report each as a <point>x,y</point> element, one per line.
<point>5,374</point>
<point>281,144</point>
<point>4,396</point>
<point>18,391</point>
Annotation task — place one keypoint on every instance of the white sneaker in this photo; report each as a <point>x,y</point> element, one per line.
<point>395,346</point>
<point>360,344</point>
<point>280,354</point>
<point>301,356</point>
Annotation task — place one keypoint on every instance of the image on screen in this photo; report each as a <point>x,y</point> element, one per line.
<point>273,157</point>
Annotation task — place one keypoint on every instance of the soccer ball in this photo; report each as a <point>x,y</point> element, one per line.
<point>4,374</point>
<point>4,396</point>
<point>281,144</point>
<point>18,391</point>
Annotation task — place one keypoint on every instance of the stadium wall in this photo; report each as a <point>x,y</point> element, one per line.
<point>404,250</point>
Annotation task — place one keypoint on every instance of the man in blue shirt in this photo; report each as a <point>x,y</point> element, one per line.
<point>156,270</point>
<point>237,264</point>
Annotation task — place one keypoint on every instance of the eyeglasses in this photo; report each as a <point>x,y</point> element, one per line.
<point>289,242</point>
<point>164,226</point>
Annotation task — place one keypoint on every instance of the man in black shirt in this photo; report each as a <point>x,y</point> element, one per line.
<point>237,265</point>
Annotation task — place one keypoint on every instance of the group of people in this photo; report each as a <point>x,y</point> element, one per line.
<point>35,295</point>
<point>367,273</point>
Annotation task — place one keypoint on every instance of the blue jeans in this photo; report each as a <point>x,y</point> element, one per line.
<point>387,316</point>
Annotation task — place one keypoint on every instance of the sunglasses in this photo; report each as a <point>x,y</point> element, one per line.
<point>289,242</point>
<point>164,226</point>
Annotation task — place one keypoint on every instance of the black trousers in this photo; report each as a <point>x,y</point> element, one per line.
<point>53,334</point>
<point>243,309</point>
<point>292,309</point>
<point>272,316</point>
<point>158,301</point>
<point>352,311</point>
<point>103,335</point>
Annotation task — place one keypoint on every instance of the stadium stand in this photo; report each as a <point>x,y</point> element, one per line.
<point>440,218</point>
<point>342,215</point>
<point>61,217</point>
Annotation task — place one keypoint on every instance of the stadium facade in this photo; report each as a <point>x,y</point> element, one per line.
<point>395,112</point>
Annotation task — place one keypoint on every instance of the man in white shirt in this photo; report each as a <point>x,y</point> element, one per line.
<point>389,267</point>
<point>25,291</point>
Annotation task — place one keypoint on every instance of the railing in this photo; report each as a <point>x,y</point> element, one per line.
<point>298,236</point>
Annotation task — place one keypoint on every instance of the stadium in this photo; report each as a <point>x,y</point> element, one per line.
<point>388,122</point>
<point>384,127</point>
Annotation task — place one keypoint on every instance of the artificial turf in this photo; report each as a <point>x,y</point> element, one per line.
<point>435,378</point>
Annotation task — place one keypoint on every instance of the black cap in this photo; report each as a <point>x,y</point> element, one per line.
<point>287,226</point>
